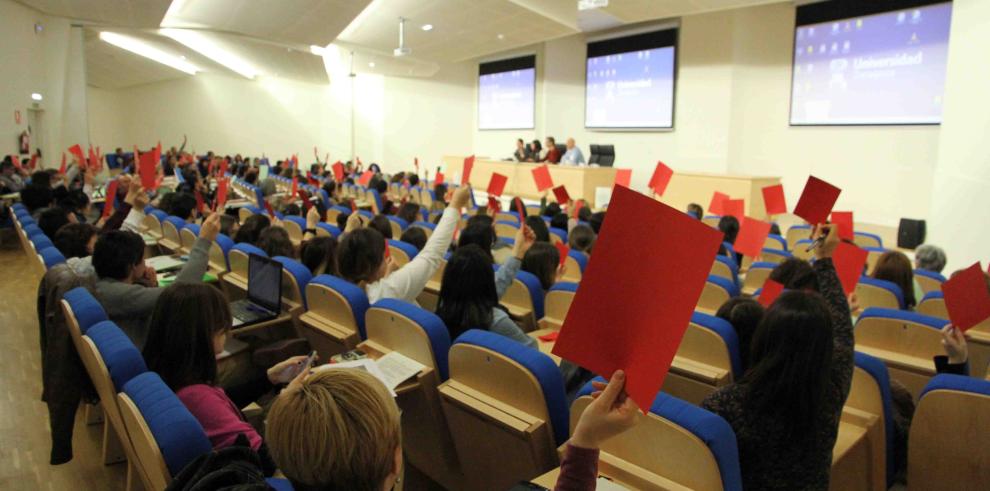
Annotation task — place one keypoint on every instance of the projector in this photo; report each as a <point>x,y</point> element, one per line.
<point>592,4</point>
<point>401,51</point>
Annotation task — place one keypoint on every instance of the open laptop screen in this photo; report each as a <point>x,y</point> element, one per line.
<point>265,282</point>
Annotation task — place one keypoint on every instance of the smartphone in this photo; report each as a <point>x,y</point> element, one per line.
<point>309,360</point>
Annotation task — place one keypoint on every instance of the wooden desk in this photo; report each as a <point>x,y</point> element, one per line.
<point>685,188</point>
<point>580,181</point>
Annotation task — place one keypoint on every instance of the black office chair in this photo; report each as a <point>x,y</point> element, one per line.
<point>606,155</point>
<point>593,159</point>
<point>561,148</point>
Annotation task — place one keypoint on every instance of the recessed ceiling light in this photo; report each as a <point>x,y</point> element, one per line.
<point>427,27</point>
<point>36,96</point>
<point>501,37</point>
<point>139,47</point>
<point>207,47</point>
<point>317,50</point>
<point>371,64</point>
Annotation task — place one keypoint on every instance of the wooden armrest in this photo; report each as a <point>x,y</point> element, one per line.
<point>900,360</point>
<point>699,371</point>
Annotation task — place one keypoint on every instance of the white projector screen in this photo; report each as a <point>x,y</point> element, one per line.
<point>507,94</point>
<point>882,68</point>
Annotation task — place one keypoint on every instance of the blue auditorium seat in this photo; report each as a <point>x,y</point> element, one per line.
<point>431,325</point>
<point>299,272</point>
<point>355,297</point>
<point>86,309</point>
<point>51,256</point>
<point>121,357</point>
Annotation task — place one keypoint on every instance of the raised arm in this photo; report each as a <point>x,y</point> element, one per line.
<point>838,307</point>
<point>525,238</point>
<point>199,256</point>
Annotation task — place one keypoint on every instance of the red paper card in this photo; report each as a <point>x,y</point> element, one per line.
<point>560,192</point>
<point>268,208</point>
<point>550,336</point>
<point>366,178</point>
<point>61,170</point>
<point>816,201</point>
<point>388,252</point>
<point>849,261</point>
<point>77,151</point>
<point>773,199</point>
<point>770,291</point>
<point>305,199</point>
<point>466,172</point>
<point>199,202</point>
<point>295,186</point>
<point>967,298</point>
<point>223,167</point>
<point>522,212</point>
<point>563,250</point>
<point>752,234</point>
<point>623,177</point>
<point>541,175</point>
<point>718,200</point>
<point>493,204</point>
<point>439,179</point>
<point>497,184</point>
<point>353,206</point>
<point>735,208</point>
<point>844,221</point>
<point>633,328</point>
<point>338,172</point>
<point>221,194</point>
<point>111,196</point>
<point>661,178</point>
<point>148,168</point>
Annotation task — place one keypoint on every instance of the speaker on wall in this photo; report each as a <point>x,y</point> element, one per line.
<point>910,233</point>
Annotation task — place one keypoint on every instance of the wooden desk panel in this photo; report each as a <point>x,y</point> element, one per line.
<point>686,188</point>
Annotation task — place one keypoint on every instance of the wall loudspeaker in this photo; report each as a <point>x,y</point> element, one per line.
<point>910,233</point>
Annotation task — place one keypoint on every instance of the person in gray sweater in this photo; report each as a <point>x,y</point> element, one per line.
<point>470,291</point>
<point>128,289</point>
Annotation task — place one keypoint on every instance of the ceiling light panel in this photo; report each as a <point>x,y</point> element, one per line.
<point>207,47</point>
<point>139,47</point>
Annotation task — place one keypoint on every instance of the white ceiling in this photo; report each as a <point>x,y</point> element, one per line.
<point>275,35</point>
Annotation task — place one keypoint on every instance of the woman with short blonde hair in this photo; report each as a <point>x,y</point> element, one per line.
<point>336,429</point>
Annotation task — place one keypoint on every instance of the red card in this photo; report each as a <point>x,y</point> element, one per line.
<point>493,204</point>
<point>158,153</point>
<point>354,206</point>
<point>497,184</point>
<point>17,162</point>
<point>111,195</point>
<point>268,208</point>
<point>388,252</point>
<point>849,261</point>
<point>221,194</point>
<point>633,328</point>
<point>770,291</point>
<point>305,199</point>
<point>967,298</point>
<point>752,234</point>
<point>773,199</point>
<point>563,250</point>
<point>550,336</point>
<point>223,167</point>
<point>295,186</point>
<point>844,221</point>
<point>718,199</point>
<point>466,172</point>
<point>199,202</point>
<point>816,201</point>
<point>366,178</point>
<point>522,213</point>
<point>61,170</point>
<point>541,175</point>
<point>661,178</point>
<point>560,192</point>
<point>77,151</point>
<point>148,168</point>
<point>338,172</point>
<point>577,207</point>
<point>439,180</point>
<point>623,177</point>
<point>735,208</point>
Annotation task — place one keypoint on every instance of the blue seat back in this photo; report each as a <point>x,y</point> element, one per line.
<point>248,249</point>
<point>121,357</point>
<point>878,371</point>
<point>426,225</point>
<point>580,258</point>
<point>353,294</point>
<point>728,334</point>
<point>406,247</point>
<point>781,243</point>
<point>869,236</point>
<point>179,435</point>
<point>532,284</point>
<point>731,265</point>
<point>32,230</point>
<point>176,221</point>
<point>431,325</point>
<point>886,285</point>
<point>559,232</point>
<point>41,242</point>
<point>51,257</point>
<point>298,220</point>
<point>300,272</point>
<point>402,223</point>
<point>86,309</point>
<point>330,229</point>
<point>539,365</point>
<point>192,227</point>
<point>902,315</point>
<point>726,284</point>
<point>930,274</point>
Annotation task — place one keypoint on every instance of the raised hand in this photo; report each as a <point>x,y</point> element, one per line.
<point>611,413</point>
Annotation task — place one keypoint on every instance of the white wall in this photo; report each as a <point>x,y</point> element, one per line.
<point>731,116</point>
<point>961,200</point>
<point>50,63</point>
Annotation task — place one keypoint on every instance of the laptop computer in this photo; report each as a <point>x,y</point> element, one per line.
<point>264,293</point>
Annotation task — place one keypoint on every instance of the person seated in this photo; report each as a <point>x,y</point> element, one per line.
<point>183,205</point>
<point>596,221</point>
<point>522,151</point>
<point>543,261</point>
<point>895,267</point>
<point>75,240</point>
<point>744,314</point>
<point>539,228</point>
<point>319,255</point>
<point>729,226</point>
<point>187,332</point>
<point>581,238</point>
<point>275,242</point>
<point>11,179</point>
<point>36,198</point>
<point>795,274</point>
<point>469,295</point>
<point>573,155</point>
<point>409,212</point>
<point>929,258</point>
<point>128,289</point>
<point>559,221</point>
<point>535,151</point>
<point>553,155</point>
<point>695,210</point>
<point>52,219</point>
<point>250,230</point>
<point>361,256</point>
<point>382,224</point>
<point>415,236</point>
<point>785,409</point>
<point>551,209</point>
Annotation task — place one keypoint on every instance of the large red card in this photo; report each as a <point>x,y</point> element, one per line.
<point>295,186</point>
<point>466,172</point>
<point>221,194</point>
<point>734,208</point>
<point>637,328</point>
<point>521,211</point>
<point>560,192</point>
<point>497,184</point>
<point>661,178</point>
<point>563,250</point>
<point>623,177</point>
<point>366,177</point>
<point>199,202</point>
<point>494,205</point>
<point>541,175</point>
<point>111,196</point>
<point>338,172</point>
<point>752,234</point>
<point>770,291</point>
<point>223,167</point>
<point>269,209</point>
<point>718,199</point>
<point>77,151</point>
<point>849,260</point>
<point>967,298</point>
<point>816,201</point>
<point>439,179</point>
<point>148,168</point>
<point>773,199</point>
<point>844,221</point>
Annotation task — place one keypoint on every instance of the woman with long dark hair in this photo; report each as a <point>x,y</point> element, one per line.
<point>785,410</point>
